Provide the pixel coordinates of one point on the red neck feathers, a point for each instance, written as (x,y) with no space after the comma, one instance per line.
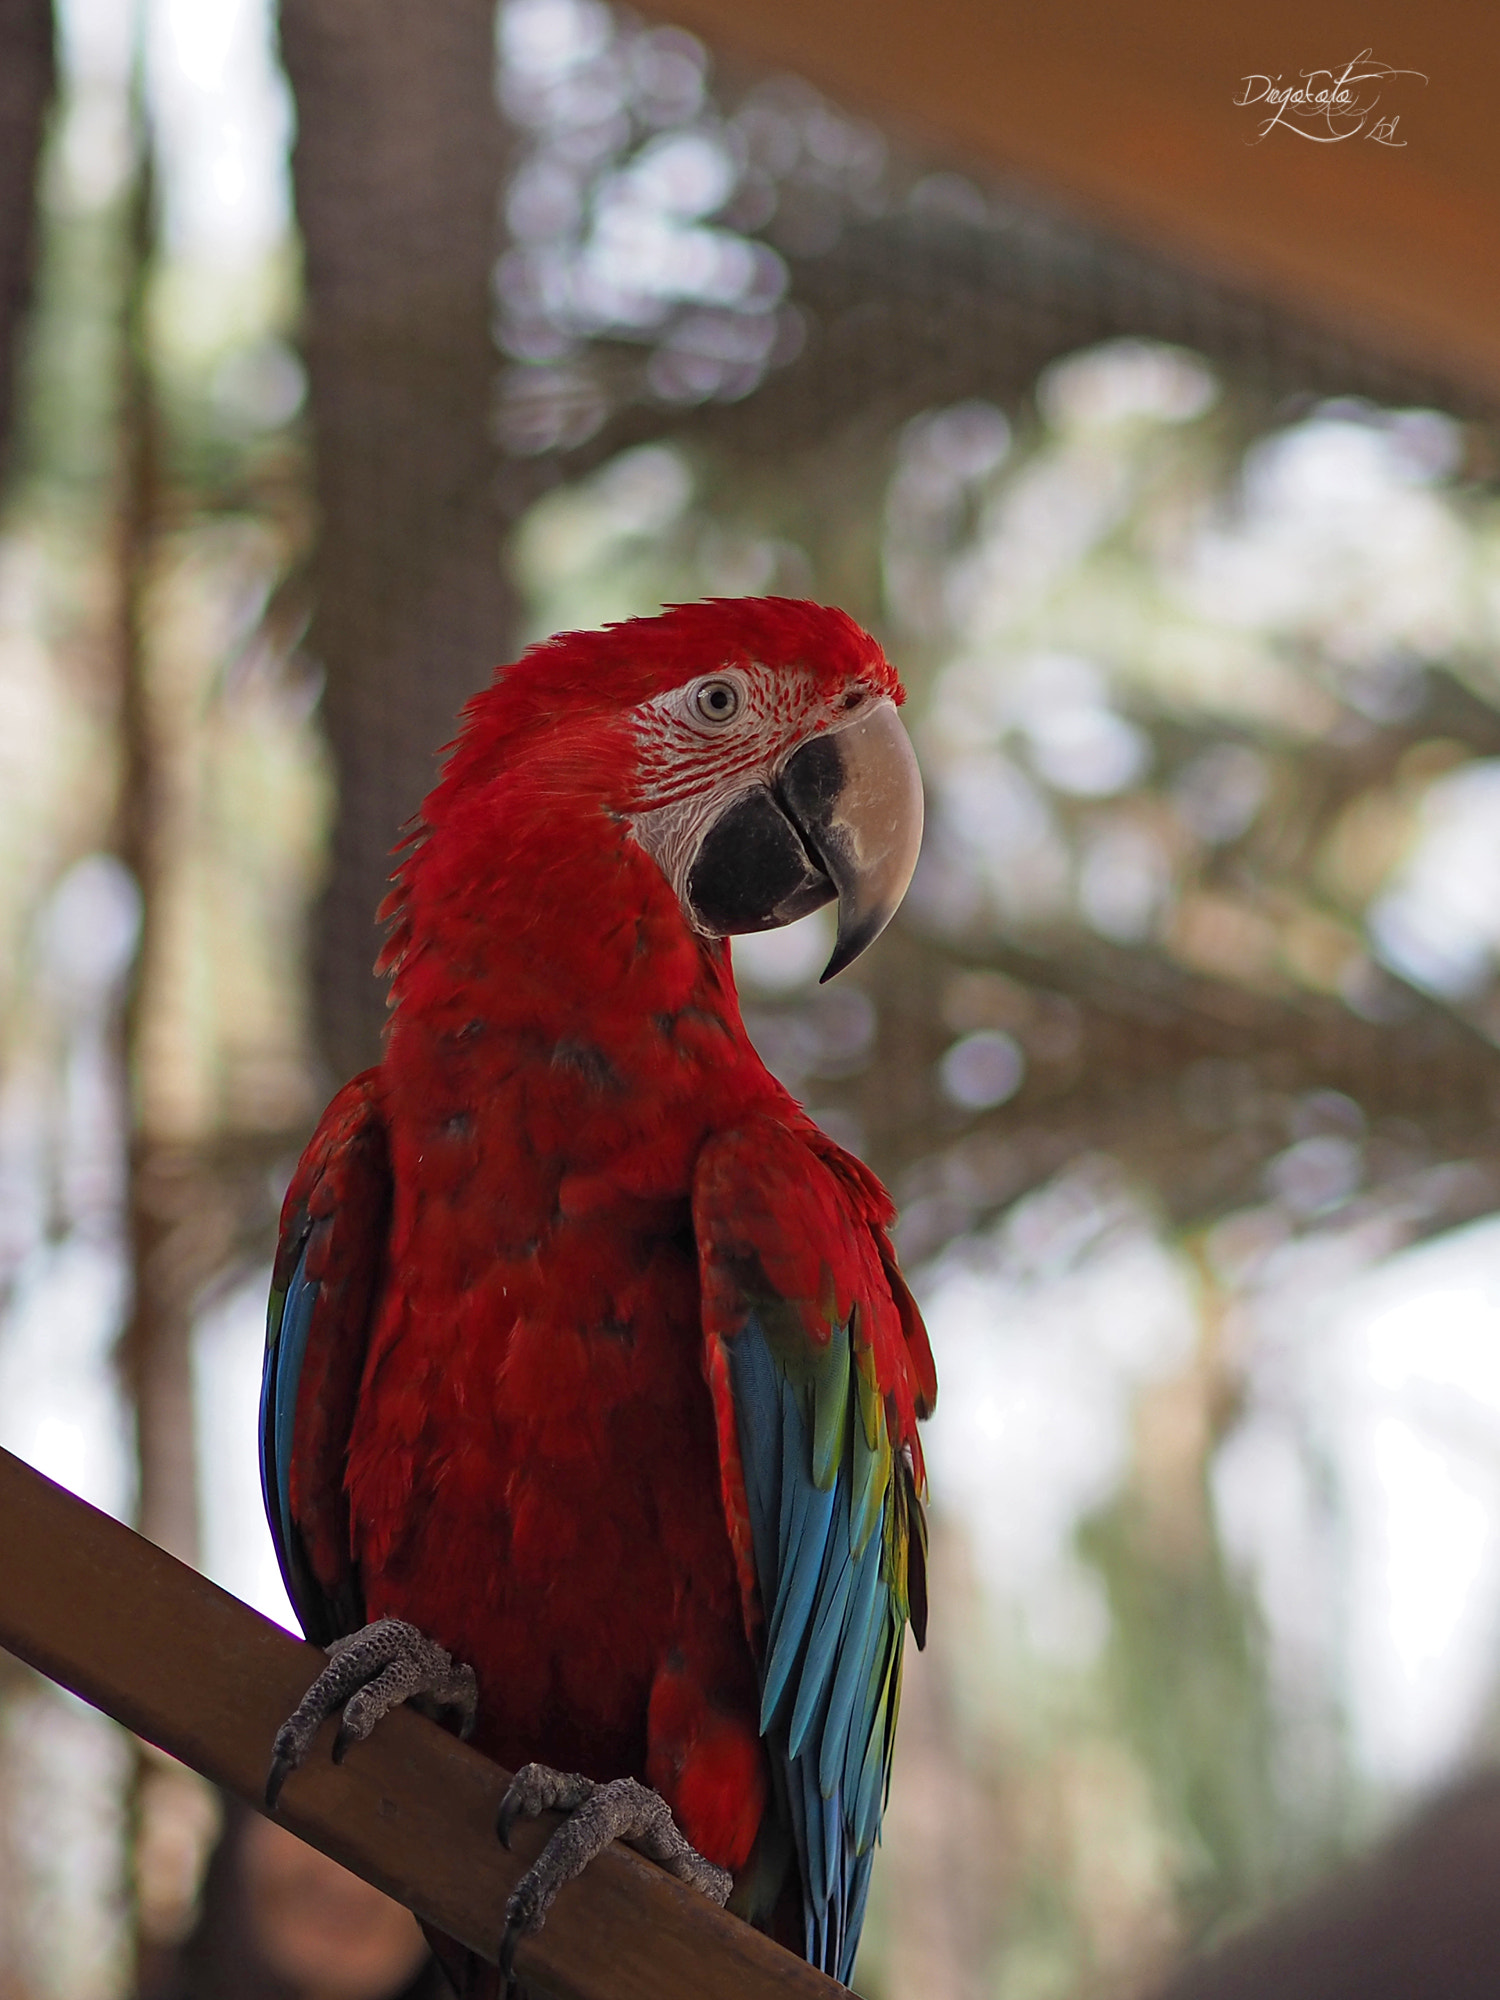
(537,950)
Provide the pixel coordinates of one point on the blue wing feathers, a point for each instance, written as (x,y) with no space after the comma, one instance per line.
(831,1671)
(289,1322)
(832,1621)
(870,1797)
(286,1350)
(805,1561)
(325,1288)
(859,1890)
(270,1485)
(851,1707)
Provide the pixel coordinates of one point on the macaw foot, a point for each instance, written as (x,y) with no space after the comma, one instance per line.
(597,1814)
(368,1674)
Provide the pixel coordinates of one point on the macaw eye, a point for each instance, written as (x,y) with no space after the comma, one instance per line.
(717,701)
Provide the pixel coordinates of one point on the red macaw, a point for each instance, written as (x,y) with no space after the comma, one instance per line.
(591,1378)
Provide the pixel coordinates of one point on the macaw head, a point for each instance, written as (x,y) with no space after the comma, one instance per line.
(750,745)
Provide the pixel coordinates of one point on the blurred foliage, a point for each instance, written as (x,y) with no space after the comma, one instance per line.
(231,706)
(651,216)
(237,820)
(1207,714)
(1186,1035)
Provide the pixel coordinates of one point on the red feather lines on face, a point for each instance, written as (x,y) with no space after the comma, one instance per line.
(676,760)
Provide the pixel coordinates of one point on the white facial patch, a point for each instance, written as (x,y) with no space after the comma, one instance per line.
(672,835)
(704,744)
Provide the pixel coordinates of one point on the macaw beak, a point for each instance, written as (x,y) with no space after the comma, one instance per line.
(843,819)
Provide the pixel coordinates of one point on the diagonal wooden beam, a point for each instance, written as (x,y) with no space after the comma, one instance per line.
(138,1634)
(1128,113)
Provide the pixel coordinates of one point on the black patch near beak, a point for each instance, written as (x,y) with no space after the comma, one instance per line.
(753,872)
(844,819)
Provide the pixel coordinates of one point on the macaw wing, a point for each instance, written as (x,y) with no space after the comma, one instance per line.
(327,1275)
(819,1368)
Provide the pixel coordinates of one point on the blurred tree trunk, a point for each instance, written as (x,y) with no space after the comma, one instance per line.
(397,171)
(165,1194)
(27,75)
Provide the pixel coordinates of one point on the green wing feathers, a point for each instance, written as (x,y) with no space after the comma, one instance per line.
(818,1370)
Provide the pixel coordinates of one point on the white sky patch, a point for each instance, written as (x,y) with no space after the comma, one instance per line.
(1417,1436)
(1042,1342)
(1361,1491)
(223,119)
(220,111)
(787,960)
(93,154)
(228,1345)
(60,1404)
(1126,381)
(1380,1389)
(1438,924)
(1341,537)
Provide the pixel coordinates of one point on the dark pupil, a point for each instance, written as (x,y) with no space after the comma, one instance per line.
(718,700)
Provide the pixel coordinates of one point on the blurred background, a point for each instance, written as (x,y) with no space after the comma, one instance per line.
(1181,1059)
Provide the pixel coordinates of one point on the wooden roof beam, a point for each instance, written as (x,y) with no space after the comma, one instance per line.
(1128,114)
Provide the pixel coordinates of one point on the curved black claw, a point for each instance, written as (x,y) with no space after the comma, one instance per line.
(369,1673)
(282,1768)
(597,1814)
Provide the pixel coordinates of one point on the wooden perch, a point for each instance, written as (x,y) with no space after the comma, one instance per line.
(141,1636)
